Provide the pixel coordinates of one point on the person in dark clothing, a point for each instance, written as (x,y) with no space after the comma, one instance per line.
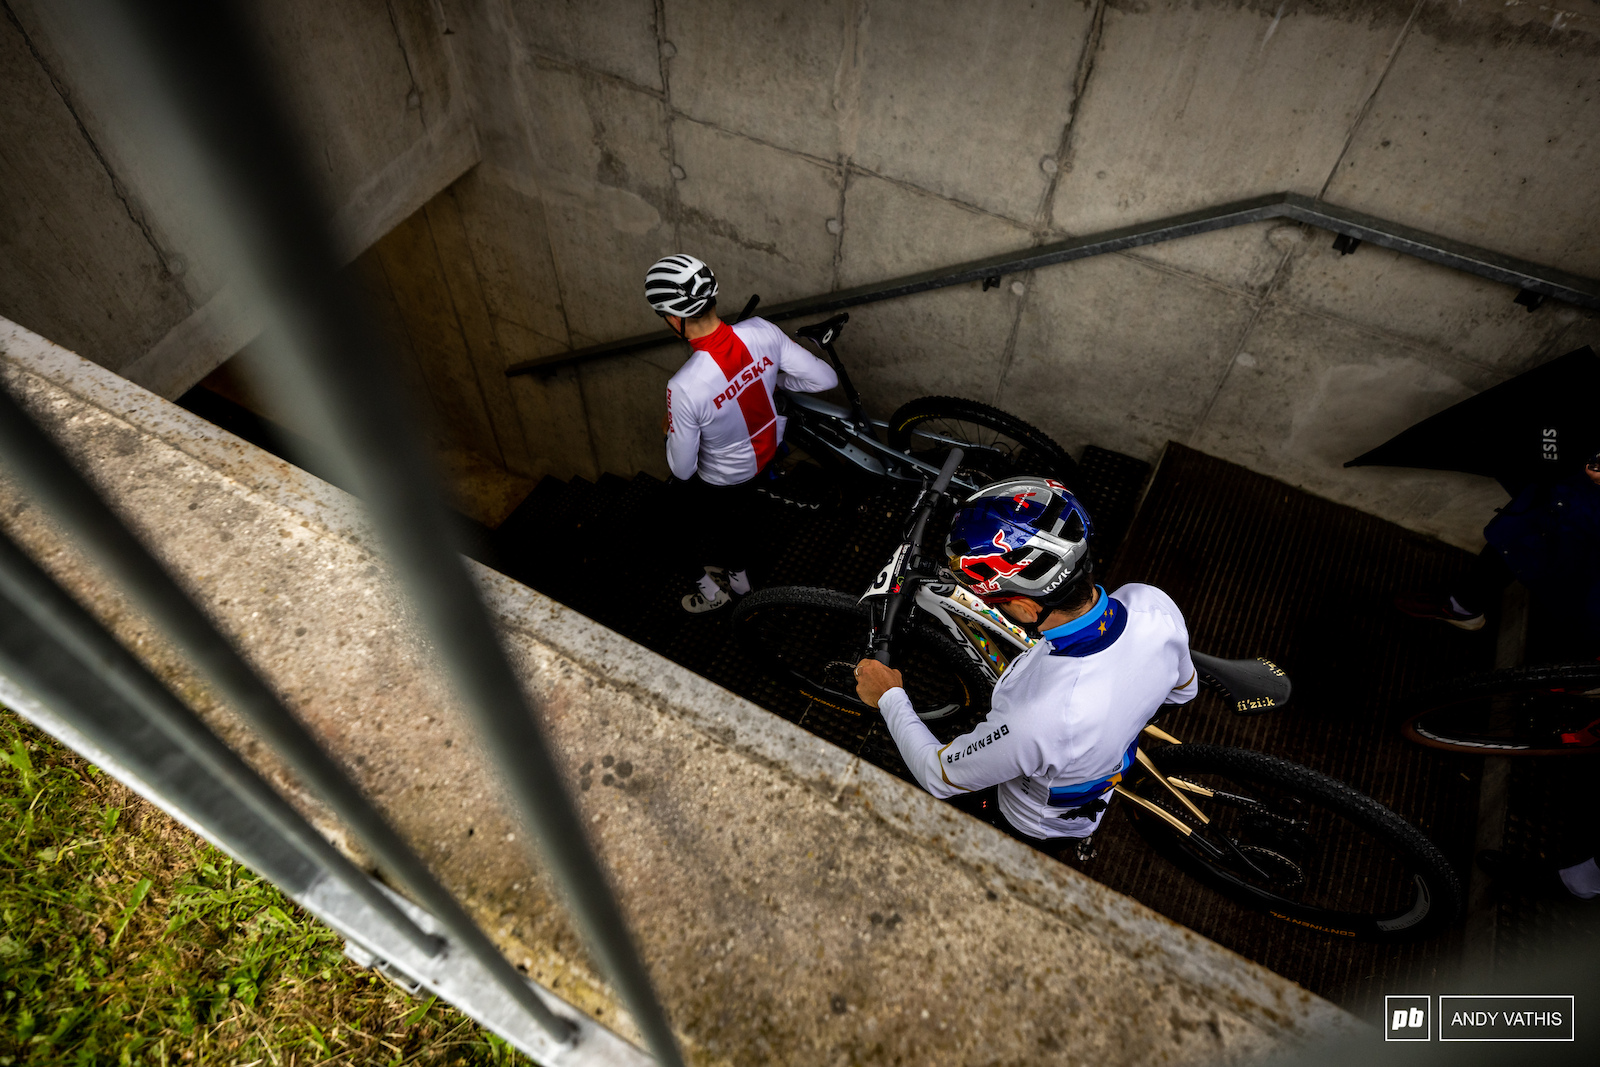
(1549,538)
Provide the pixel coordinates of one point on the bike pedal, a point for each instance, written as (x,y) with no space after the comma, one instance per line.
(1084,850)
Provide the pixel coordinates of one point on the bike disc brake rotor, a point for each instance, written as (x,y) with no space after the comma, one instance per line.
(1282,873)
(1299,856)
(989,455)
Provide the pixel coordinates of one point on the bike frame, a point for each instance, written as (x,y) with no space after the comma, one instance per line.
(848,434)
(822,428)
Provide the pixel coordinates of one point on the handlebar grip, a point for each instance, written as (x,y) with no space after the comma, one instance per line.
(946,472)
(755,298)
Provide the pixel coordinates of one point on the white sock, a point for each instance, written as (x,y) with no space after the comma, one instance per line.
(1455,606)
(740,581)
(709,587)
(1582,880)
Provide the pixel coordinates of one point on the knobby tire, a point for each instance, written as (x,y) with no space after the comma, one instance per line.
(1041,455)
(781,627)
(1546,710)
(1423,892)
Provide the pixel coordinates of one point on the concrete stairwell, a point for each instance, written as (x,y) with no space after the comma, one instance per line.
(795,903)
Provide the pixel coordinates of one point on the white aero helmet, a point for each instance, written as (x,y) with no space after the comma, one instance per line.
(680,285)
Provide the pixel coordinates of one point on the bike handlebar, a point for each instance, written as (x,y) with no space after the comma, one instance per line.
(948,471)
(919,525)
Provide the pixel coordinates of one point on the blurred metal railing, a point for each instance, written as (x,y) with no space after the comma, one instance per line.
(202,104)
(1353,228)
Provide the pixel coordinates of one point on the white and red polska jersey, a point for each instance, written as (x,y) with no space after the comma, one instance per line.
(721,420)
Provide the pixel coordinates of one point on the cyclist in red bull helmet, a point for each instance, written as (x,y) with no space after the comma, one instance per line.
(1066,715)
(722,427)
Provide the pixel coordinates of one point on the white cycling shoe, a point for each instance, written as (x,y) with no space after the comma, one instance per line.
(697,604)
(713,592)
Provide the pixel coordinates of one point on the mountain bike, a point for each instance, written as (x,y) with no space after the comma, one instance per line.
(1267,832)
(1550,710)
(915,440)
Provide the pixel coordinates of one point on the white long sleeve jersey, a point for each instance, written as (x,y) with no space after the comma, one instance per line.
(721,420)
(1058,721)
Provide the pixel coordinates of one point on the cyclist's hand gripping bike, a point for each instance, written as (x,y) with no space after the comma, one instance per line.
(1270,833)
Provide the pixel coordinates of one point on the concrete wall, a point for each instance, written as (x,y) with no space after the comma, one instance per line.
(793,904)
(930,133)
(803,146)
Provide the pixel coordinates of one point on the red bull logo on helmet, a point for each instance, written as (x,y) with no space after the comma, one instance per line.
(996,563)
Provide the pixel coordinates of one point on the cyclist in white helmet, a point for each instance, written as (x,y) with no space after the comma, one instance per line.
(722,424)
(1066,715)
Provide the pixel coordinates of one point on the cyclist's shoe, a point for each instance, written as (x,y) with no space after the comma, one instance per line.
(737,582)
(1078,849)
(697,604)
(1582,880)
(711,592)
(1442,608)
(1541,879)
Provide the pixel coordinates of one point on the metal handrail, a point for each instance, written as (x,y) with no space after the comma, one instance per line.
(1509,270)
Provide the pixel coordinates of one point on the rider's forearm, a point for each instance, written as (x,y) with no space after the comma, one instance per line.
(917,745)
(683,453)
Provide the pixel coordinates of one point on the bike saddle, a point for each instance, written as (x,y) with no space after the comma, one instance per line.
(1254,685)
(824,332)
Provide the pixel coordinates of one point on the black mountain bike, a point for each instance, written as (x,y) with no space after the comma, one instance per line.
(1269,833)
(1550,710)
(911,445)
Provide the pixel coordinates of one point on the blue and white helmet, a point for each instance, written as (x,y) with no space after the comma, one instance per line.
(680,285)
(1023,537)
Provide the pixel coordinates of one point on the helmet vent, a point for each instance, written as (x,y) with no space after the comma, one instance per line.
(1039,567)
(1052,511)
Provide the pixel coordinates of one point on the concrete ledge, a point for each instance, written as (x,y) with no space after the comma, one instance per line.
(793,903)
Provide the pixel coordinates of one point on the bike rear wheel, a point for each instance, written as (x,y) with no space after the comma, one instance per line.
(815,638)
(998,445)
(1525,711)
(1301,846)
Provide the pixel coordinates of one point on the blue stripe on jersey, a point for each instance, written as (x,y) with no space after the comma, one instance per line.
(1091,631)
(1071,796)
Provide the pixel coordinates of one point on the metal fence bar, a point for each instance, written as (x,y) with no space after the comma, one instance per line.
(53,645)
(1584,292)
(62,670)
(208,81)
(52,480)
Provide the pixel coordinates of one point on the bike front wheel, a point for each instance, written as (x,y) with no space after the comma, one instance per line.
(1301,846)
(1524,711)
(997,445)
(815,637)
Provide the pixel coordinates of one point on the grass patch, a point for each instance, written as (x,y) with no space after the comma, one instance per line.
(126,939)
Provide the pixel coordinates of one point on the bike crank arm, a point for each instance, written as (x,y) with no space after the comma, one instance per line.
(1199,841)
